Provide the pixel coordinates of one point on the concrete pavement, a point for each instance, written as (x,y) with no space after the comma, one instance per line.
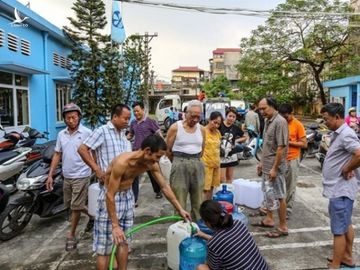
(41,245)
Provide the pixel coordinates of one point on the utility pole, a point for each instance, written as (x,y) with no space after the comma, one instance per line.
(146,38)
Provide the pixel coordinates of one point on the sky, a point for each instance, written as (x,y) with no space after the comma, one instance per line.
(184,38)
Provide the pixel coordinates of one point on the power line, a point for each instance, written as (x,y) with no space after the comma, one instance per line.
(239,11)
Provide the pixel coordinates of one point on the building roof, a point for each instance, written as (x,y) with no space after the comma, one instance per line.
(35,20)
(224,50)
(193,69)
(353,80)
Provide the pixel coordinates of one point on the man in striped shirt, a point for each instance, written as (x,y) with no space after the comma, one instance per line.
(105,143)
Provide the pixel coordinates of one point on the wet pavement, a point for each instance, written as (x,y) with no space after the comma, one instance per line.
(42,243)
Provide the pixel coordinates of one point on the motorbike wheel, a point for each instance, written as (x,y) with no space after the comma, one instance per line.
(14,219)
(303,154)
(167,123)
(258,154)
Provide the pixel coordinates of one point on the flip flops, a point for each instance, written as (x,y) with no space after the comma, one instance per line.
(342,263)
(71,244)
(262,224)
(276,234)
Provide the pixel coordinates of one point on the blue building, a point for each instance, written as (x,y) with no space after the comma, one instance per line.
(34,70)
(345,91)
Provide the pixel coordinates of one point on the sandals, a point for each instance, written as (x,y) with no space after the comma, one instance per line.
(342,263)
(71,244)
(262,224)
(276,234)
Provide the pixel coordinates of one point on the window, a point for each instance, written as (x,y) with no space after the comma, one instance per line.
(25,47)
(12,42)
(63,96)
(165,103)
(1,37)
(56,59)
(5,78)
(23,107)
(14,100)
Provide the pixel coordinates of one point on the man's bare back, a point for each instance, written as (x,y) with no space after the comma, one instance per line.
(125,168)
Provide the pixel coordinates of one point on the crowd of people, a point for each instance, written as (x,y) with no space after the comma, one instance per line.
(198,166)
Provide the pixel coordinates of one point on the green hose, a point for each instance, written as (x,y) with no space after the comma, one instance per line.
(138,228)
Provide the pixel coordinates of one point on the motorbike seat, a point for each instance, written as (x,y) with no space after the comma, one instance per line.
(5,156)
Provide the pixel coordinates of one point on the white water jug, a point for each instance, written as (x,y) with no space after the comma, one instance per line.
(93,194)
(248,193)
(165,166)
(175,234)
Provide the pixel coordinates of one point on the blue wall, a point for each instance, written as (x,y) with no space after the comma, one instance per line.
(45,39)
(347,88)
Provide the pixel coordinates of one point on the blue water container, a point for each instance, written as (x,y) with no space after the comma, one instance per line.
(192,253)
(224,195)
(204,228)
(239,215)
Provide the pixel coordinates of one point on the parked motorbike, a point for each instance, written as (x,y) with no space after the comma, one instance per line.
(324,147)
(253,148)
(246,151)
(34,199)
(18,151)
(313,138)
(4,197)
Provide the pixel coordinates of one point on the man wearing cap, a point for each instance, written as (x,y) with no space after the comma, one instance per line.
(76,173)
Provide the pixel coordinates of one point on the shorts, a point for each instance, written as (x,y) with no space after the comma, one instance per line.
(273,191)
(76,192)
(124,204)
(212,177)
(340,211)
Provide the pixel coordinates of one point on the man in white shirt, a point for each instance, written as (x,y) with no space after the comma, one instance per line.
(76,173)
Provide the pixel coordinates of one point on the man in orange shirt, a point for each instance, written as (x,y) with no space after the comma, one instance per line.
(297,140)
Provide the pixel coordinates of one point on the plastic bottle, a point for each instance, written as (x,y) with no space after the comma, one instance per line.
(239,215)
(270,201)
(224,195)
(204,228)
(192,253)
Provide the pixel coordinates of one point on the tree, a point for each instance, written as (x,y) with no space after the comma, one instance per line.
(261,75)
(113,69)
(86,57)
(216,86)
(134,63)
(312,41)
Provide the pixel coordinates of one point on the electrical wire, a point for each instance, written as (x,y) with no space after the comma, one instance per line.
(241,11)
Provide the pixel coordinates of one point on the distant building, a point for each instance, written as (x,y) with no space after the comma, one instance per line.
(34,70)
(345,91)
(223,63)
(187,80)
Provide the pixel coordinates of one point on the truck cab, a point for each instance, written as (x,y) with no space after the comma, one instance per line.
(163,108)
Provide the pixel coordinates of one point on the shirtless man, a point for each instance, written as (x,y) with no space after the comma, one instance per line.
(116,203)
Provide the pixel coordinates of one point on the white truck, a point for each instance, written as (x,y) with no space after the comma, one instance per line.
(163,108)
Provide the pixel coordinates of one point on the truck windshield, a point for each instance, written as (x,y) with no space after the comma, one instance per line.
(165,103)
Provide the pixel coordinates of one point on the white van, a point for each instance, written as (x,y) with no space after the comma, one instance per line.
(163,107)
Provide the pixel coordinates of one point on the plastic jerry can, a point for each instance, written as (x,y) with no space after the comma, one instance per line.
(192,253)
(93,194)
(224,195)
(165,167)
(248,193)
(175,234)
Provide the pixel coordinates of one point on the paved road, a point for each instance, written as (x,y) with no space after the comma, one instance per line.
(41,245)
